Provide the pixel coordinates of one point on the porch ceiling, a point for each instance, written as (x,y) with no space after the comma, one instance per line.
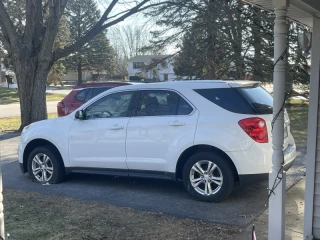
(300,10)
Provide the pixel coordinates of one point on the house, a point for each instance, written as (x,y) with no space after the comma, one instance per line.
(71,77)
(306,12)
(162,71)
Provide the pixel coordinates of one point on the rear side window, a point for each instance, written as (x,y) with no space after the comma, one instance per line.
(162,103)
(227,98)
(81,96)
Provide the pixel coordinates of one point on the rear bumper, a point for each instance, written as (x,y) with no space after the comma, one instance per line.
(289,156)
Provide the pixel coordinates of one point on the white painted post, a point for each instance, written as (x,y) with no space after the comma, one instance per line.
(2,234)
(277,198)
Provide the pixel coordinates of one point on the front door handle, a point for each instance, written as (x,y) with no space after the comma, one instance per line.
(177,123)
(117,127)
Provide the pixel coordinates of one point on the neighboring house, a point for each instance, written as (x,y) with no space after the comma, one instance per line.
(73,76)
(163,73)
(86,76)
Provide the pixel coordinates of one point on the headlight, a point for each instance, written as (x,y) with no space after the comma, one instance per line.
(25,129)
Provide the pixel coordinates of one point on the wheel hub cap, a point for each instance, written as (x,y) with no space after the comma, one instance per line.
(206,177)
(42,167)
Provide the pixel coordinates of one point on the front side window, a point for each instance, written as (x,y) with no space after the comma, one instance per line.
(111,106)
(162,103)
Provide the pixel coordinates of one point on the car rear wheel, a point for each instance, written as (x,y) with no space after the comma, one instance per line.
(45,165)
(208,177)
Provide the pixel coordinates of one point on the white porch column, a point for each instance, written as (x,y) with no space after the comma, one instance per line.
(277,176)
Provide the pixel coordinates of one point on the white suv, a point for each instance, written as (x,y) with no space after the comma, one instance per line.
(210,134)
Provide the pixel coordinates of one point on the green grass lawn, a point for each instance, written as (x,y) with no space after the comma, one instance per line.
(13,123)
(8,96)
(299,122)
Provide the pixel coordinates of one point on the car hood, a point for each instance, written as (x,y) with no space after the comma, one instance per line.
(47,129)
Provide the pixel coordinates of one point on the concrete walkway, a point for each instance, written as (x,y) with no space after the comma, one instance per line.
(294,217)
(13,110)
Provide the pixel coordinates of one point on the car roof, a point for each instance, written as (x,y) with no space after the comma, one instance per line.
(102,84)
(194,84)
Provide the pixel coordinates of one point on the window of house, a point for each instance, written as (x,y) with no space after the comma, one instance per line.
(165,77)
(138,65)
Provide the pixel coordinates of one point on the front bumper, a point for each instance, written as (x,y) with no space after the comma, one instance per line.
(22,167)
(21,148)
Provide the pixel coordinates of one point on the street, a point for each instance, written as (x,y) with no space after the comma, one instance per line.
(244,205)
(12,110)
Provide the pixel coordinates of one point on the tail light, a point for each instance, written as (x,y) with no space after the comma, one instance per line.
(60,105)
(256,128)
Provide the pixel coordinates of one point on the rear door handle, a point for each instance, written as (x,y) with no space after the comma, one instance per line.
(177,123)
(117,127)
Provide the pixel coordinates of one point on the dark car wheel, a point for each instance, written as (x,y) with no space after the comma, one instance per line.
(45,165)
(208,177)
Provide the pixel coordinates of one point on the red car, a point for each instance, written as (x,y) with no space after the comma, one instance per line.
(83,93)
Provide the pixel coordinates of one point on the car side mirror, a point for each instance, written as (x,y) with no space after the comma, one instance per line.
(79,115)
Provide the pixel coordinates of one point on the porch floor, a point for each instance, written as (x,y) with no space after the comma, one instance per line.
(294,217)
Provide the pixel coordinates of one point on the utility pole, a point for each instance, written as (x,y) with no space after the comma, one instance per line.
(277,177)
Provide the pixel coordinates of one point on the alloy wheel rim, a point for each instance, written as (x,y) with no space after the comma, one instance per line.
(206,177)
(42,167)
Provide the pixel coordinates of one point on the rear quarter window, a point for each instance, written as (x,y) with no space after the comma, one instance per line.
(259,98)
(227,98)
(81,96)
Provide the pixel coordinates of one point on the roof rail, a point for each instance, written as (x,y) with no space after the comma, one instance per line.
(104,82)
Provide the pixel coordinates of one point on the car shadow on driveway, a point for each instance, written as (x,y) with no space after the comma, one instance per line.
(153,195)
(244,204)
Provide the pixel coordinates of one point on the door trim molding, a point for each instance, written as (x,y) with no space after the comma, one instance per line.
(123,172)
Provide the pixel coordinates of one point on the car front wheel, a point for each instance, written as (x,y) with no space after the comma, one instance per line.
(45,165)
(208,177)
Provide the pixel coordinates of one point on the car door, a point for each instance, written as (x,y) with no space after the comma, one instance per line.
(98,141)
(164,123)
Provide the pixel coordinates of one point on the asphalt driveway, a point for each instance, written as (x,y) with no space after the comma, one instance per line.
(245,203)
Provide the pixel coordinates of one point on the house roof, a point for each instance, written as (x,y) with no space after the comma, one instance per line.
(146,58)
(301,11)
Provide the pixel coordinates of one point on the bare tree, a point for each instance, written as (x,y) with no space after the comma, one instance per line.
(128,41)
(29,34)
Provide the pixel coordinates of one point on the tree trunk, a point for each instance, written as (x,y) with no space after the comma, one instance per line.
(79,73)
(257,44)
(31,78)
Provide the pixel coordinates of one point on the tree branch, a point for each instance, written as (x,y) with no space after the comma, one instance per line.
(107,12)
(56,10)
(60,53)
(7,25)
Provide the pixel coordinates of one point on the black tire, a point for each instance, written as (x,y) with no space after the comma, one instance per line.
(59,172)
(225,168)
